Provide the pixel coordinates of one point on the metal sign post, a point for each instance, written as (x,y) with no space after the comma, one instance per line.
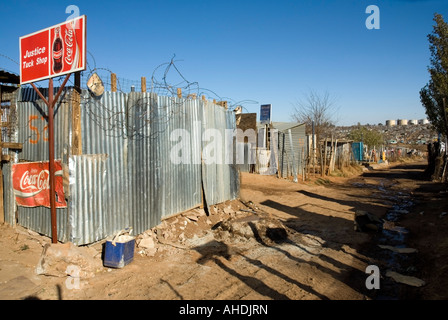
(45,54)
(50,104)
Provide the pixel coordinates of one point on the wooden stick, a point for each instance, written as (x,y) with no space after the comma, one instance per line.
(143,84)
(113,82)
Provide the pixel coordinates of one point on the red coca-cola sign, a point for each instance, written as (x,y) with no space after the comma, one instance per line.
(54,51)
(31,184)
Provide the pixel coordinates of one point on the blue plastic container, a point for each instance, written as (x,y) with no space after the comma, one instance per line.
(119,255)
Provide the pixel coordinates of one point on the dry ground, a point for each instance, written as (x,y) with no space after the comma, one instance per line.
(281,240)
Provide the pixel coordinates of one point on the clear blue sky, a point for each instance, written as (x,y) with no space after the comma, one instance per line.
(266,51)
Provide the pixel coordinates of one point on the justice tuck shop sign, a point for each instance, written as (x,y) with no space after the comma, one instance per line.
(54,51)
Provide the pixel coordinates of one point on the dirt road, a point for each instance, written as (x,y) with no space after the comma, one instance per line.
(283,240)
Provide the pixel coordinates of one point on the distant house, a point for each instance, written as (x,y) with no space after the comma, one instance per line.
(286,142)
(281,149)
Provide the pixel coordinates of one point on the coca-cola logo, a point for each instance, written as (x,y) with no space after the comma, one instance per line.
(33,183)
(68,39)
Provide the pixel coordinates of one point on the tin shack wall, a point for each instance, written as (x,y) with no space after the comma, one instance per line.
(292,158)
(143,182)
(126,176)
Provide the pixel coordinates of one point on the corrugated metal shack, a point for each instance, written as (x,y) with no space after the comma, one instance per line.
(292,148)
(281,150)
(123,174)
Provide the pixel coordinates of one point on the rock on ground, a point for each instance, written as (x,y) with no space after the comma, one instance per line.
(66,259)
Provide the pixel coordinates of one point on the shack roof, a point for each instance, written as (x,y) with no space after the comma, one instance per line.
(8,77)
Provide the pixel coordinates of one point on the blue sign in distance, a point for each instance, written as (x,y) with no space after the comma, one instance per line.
(265,113)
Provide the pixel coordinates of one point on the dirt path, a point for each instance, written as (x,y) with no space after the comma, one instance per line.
(283,240)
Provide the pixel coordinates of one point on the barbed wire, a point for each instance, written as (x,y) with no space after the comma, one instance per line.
(139,115)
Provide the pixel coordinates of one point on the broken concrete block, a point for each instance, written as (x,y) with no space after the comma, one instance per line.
(166,234)
(148,233)
(150,252)
(163,225)
(146,243)
(61,260)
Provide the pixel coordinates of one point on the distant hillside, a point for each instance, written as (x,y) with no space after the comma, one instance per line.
(416,136)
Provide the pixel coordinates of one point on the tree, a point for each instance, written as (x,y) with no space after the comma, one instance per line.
(321,109)
(434,96)
(371,138)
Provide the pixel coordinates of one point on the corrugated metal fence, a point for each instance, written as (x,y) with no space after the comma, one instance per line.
(292,151)
(126,175)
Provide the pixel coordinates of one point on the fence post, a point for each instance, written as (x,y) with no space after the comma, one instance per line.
(76,116)
(143,84)
(322,173)
(325,156)
(330,168)
(113,82)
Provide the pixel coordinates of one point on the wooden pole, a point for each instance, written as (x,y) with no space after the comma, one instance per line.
(321,162)
(303,166)
(325,156)
(76,117)
(113,82)
(331,156)
(143,84)
(179,93)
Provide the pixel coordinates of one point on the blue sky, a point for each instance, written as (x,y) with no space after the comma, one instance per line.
(263,51)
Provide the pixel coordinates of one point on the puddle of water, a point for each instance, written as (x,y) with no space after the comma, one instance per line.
(402,203)
(397,238)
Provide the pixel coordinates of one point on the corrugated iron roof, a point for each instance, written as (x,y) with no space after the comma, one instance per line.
(8,77)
